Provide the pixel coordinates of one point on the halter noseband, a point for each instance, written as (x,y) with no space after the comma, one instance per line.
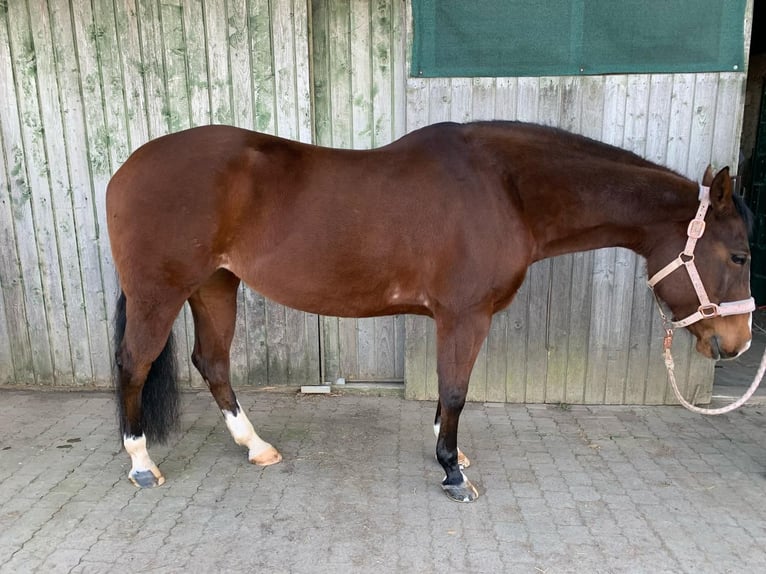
(706,310)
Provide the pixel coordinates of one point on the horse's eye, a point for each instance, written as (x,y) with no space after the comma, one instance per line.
(739,258)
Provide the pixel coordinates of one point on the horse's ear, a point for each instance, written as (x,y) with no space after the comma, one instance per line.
(707,178)
(720,191)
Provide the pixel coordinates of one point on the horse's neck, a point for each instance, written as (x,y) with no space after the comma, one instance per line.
(628,208)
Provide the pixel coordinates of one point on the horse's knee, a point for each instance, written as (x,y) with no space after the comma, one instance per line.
(452,399)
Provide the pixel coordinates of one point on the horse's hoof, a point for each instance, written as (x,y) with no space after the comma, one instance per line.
(146,478)
(267,457)
(462,460)
(464,492)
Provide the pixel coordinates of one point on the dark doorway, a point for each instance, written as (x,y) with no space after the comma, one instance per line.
(752,170)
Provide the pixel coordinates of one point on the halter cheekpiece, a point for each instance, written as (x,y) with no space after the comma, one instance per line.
(706,309)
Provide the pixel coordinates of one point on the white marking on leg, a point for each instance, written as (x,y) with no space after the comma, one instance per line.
(243,433)
(139,457)
(437,426)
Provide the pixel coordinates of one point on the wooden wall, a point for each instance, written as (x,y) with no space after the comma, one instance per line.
(84,83)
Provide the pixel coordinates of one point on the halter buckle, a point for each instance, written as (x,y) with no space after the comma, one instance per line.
(696,228)
(708,311)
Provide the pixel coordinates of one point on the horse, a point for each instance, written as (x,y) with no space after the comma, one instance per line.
(443,222)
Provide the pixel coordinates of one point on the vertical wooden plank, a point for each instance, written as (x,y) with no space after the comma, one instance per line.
(602,280)
(505,98)
(33,359)
(284,68)
(592,114)
(320,60)
(385,352)
(348,342)
(330,348)
(361,76)
(198,82)
(558,327)
(255,336)
(23,50)
(516,353)
(579,328)
(86,200)
(702,125)
(432,378)
(415,361)
(153,68)
(219,75)
(460,103)
(682,99)
(7,374)
(365,347)
(496,362)
(174,50)
(728,119)
(440,100)
(658,120)
(400,338)
(239,62)
(528,99)
(549,108)
(15,353)
(64,229)
(538,341)
(399,70)
(381,54)
(483,99)
(339,24)
(301,46)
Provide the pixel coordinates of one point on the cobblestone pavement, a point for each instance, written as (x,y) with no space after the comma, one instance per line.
(578,489)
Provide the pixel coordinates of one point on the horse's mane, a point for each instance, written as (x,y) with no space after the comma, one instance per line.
(592,146)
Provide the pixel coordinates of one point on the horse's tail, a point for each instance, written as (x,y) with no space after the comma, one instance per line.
(159,396)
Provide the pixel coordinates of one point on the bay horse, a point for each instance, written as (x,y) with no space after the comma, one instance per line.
(443,222)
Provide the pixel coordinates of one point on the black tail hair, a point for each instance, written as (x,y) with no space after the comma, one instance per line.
(160,396)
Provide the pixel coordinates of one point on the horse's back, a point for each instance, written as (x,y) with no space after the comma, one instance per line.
(332,231)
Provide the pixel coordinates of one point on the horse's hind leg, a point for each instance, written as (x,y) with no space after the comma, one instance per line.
(146,382)
(214,308)
(458,340)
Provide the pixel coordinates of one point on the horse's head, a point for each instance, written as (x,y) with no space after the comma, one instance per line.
(707,286)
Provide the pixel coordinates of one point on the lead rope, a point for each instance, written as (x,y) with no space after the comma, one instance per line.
(669,364)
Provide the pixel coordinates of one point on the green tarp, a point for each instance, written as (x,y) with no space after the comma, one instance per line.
(556,37)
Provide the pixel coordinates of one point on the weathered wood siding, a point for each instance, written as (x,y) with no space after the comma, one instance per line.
(82,84)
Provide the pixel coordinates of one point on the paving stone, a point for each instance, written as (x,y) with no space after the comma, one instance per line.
(588,489)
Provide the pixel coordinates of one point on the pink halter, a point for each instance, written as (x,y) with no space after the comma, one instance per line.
(706,310)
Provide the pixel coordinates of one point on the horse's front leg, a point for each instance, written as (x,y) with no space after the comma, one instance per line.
(459,339)
(462,459)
